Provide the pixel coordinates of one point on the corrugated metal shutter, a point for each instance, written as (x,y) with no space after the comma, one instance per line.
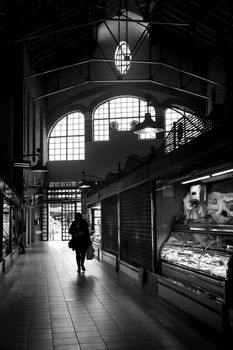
(135,216)
(109,225)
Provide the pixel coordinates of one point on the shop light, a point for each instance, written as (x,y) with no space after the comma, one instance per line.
(39,168)
(148,126)
(197,228)
(88,183)
(22,164)
(222,172)
(196,179)
(84,185)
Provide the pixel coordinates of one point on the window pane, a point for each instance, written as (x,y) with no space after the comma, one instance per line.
(68,135)
(123,110)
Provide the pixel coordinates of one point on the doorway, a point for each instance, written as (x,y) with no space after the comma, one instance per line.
(55,221)
(60,217)
(63,201)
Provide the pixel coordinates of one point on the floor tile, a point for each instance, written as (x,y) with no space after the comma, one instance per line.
(46,305)
(65,341)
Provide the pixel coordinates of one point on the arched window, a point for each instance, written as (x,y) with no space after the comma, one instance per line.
(173,114)
(122,57)
(67,138)
(121,114)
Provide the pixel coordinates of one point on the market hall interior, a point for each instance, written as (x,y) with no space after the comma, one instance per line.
(122,111)
(46,305)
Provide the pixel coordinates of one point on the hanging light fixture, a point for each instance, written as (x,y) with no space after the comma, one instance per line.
(87,184)
(148,126)
(123,54)
(39,168)
(25,164)
(83,184)
(40,192)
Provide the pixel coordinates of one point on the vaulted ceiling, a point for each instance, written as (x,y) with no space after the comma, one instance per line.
(60,32)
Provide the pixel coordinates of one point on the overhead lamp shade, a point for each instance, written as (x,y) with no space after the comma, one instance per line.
(84,185)
(39,194)
(148,126)
(39,168)
(22,164)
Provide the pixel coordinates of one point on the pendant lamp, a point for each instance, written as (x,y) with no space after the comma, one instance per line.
(39,168)
(148,126)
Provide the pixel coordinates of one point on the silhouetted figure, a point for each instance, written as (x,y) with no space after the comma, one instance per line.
(152,154)
(81,239)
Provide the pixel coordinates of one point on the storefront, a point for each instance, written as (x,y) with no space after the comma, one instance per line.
(169,226)
(10,228)
(94,218)
(196,259)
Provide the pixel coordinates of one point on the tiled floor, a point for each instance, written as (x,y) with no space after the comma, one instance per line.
(45,305)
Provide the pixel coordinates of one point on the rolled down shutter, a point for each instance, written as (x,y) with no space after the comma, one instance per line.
(109,224)
(135,218)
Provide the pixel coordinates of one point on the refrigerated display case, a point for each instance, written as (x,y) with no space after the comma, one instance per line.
(200,259)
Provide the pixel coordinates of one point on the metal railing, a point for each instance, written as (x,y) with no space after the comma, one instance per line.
(183,131)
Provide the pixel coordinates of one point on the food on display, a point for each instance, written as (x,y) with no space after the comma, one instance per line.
(202,258)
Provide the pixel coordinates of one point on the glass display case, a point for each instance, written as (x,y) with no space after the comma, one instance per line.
(206,253)
(201,260)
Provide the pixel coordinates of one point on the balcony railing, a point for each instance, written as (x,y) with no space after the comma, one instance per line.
(183,131)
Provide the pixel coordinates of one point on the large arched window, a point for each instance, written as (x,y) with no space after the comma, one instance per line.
(67,138)
(121,114)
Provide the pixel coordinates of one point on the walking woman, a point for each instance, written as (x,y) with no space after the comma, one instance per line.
(81,239)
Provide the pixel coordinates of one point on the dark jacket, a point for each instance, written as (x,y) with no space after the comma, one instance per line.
(80,235)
